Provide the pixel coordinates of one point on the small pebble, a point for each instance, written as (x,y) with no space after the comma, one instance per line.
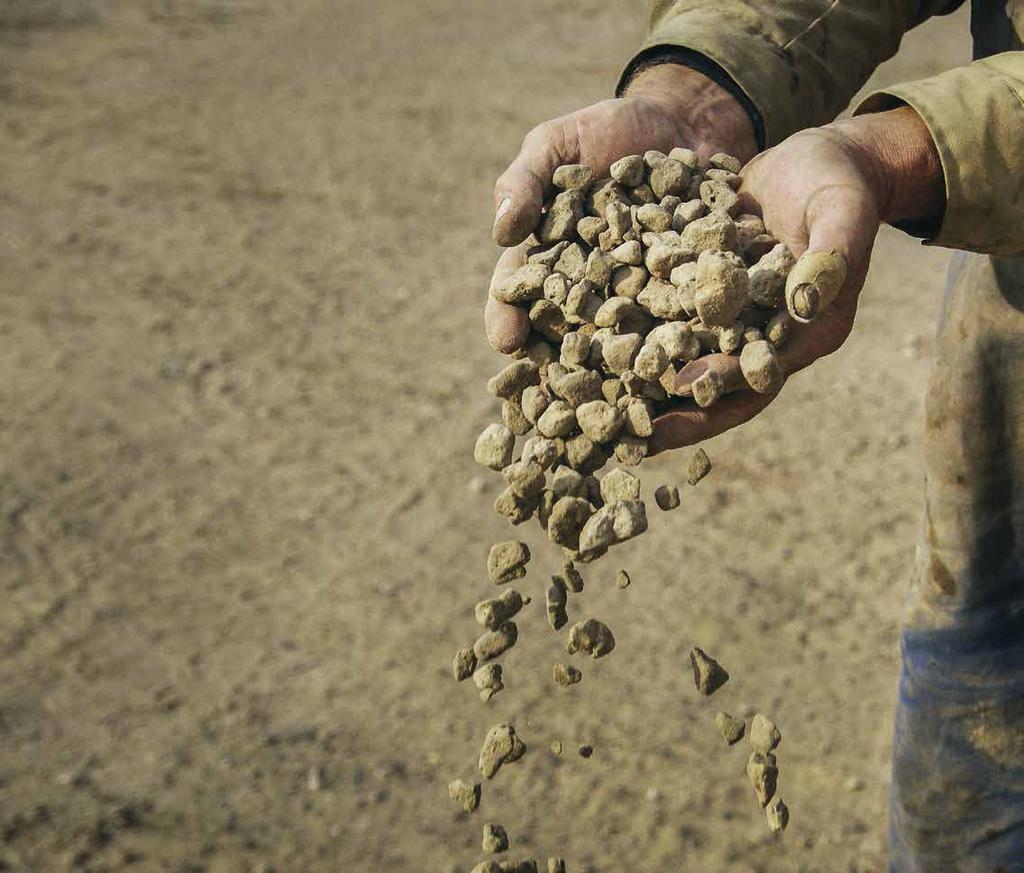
(708,674)
(622,579)
(730,727)
(464,794)
(585,750)
(565,675)
(667,497)
(764,735)
(495,838)
(778,815)
(700,466)
(556,747)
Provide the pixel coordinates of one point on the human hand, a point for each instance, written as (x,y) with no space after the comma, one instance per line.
(823,189)
(664,106)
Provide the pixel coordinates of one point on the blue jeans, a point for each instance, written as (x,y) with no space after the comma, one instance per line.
(957,801)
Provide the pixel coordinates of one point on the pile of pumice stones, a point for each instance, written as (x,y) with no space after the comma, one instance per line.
(627,279)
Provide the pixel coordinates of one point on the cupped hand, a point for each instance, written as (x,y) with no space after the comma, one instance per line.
(816,191)
(664,106)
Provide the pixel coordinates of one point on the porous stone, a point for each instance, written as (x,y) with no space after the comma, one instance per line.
(667,497)
(599,420)
(708,674)
(526,283)
(565,675)
(501,746)
(764,734)
(777,814)
(507,560)
(464,794)
(722,288)
(494,447)
(761,367)
(495,839)
(562,217)
(572,176)
(619,484)
(496,642)
(763,773)
(488,681)
(628,171)
(700,466)
(463,664)
(525,478)
(568,517)
(495,611)
(730,727)
(555,601)
(591,637)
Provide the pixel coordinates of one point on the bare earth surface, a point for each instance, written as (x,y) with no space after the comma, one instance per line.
(245,246)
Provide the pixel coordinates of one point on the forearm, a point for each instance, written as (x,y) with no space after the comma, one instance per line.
(900,161)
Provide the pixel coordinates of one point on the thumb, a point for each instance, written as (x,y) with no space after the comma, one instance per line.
(520,191)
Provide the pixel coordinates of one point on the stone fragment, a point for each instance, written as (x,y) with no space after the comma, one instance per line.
(619,484)
(546,254)
(572,263)
(722,288)
(628,281)
(670,177)
(543,450)
(464,794)
(572,176)
(642,194)
(599,421)
(653,157)
(719,197)
(556,865)
(767,278)
(585,750)
(599,268)
(777,814)
(764,734)
(568,517)
(763,773)
(535,399)
(628,253)
(558,420)
(622,579)
(560,221)
(577,387)
(620,351)
(613,310)
(548,320)
(513,418)
(515,508)
(730,338)
(708,674)
(667,497)
(525,478)
(650,362)
(591,637)
(662,257)
(700,466)
(556,747)
(494,447)
(495,611)
(640,415)
(565,675)
(725,162)
(761,367)
(654,217)
(590,227)
(715,233)
(493,643)
(510,381)
(628,171)
(730,727)
(567,482)
(501,746)
(584,455)
(526,283)
(495,838)
(778,328)
(463,664)
(572,578)
(687,157)
(488,681)
(555,600)
(686,212)
(676,339)
(707,388)
(630,450)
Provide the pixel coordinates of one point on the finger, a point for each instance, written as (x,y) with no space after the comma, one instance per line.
(728,367)
(506,326)
(520,191)
(693,425)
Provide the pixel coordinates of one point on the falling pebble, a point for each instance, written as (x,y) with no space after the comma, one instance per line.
(586,750)
(556,747)
(622,579)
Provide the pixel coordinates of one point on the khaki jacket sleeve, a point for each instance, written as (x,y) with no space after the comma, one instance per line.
(798,61)
(976,116)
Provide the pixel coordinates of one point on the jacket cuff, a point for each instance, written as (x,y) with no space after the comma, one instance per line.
(767,77)
(975,115)
(671,54)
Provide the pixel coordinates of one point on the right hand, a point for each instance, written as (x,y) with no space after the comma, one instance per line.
(664,106)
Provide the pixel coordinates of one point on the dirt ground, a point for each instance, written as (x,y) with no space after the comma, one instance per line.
(245,246)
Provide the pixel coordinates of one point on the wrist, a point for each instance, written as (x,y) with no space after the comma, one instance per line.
(900,162)
(708,117)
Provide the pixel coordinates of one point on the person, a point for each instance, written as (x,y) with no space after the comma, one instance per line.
(943,159)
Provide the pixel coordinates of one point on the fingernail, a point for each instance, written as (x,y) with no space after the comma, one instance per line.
(806,301)
(503,208)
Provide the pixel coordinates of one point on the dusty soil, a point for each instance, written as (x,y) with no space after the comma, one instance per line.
(245,247)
